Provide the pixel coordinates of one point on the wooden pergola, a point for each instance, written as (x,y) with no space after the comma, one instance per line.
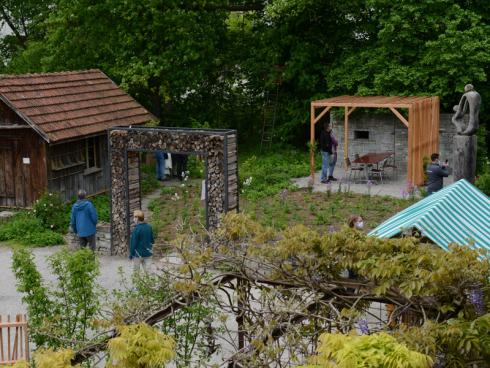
(422,124)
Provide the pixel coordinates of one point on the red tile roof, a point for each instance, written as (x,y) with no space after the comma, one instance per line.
(66,105)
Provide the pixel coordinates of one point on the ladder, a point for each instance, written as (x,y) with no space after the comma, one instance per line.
(269,114)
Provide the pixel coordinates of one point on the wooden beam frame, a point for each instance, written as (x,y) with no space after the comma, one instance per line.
(422,124)
(399,116)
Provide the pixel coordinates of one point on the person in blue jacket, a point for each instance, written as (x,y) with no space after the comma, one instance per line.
(141,243)
(84,220)
(160,157)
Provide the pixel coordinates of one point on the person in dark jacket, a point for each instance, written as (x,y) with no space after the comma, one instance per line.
(328,147)
(179,161)
(436,174)
(84,220)
(160,157)
(141,243)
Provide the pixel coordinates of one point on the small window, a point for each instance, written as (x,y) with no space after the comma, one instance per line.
(361,134)
(92,152)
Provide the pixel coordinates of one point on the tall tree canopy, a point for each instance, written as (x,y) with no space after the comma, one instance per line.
(219,61)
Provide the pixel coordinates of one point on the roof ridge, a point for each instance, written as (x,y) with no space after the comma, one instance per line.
(44,74)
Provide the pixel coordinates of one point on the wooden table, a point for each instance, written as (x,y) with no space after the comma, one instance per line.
(373,158)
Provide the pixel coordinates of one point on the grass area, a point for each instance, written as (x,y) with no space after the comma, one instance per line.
(263,197)
(179,209)
(321,211)
(263,175)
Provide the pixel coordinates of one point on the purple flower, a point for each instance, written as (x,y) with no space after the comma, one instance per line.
(476,298)
(362,324)
(331,228)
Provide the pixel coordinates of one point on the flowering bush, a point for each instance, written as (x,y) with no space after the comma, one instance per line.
(52,212)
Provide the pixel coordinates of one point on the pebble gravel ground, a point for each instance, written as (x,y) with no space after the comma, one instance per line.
(11,300)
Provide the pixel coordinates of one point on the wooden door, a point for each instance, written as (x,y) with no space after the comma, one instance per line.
(7,174)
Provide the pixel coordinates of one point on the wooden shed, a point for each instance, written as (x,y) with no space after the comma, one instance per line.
(422,124)
(53,133)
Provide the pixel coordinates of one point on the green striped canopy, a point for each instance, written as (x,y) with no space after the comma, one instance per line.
(458,214)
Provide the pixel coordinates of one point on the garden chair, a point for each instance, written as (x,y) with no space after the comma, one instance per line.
(353,169)
(390,164)
(379,172)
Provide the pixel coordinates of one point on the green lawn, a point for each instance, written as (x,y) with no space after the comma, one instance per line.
(179,209)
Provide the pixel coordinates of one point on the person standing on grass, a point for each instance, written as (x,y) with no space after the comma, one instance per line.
(436,172)
(160,157)
(327,148)
(84,220)
(141,243)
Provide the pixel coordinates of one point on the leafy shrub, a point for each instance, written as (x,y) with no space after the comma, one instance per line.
(483,183)
(377,350)
(51,211)
(102,205)
(59,316)
(148,179)
(272,172)
(195,167)
(27,229)
(140,346)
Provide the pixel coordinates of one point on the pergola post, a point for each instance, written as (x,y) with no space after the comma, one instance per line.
(346,134)
(312,143)
(411,144)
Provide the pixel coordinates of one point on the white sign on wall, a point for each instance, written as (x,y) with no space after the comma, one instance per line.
(26,160)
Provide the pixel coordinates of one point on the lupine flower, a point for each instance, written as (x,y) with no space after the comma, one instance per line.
(363,326)
(476,298)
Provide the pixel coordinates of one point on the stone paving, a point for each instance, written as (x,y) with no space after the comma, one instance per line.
(391,186)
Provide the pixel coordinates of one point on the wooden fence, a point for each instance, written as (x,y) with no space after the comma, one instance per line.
(14,340)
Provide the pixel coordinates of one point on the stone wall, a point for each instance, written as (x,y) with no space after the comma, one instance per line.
(103,239)
(387,133)
(212,146)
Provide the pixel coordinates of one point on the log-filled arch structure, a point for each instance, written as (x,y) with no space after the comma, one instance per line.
(218,148)
(422,124)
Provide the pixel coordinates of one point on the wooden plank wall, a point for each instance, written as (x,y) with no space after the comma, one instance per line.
(134,182)
(28,180)
(68,181)
(232,172)
(9,117)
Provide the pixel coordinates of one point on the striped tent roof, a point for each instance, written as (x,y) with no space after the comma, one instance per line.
(459,213)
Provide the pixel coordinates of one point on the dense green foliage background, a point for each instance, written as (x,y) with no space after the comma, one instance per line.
(216,63)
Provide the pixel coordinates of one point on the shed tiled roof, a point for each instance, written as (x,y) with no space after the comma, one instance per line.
(67,105)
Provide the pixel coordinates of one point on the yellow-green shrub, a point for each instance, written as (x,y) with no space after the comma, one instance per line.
(140,346)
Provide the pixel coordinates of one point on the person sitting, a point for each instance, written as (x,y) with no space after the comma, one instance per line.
(436,174)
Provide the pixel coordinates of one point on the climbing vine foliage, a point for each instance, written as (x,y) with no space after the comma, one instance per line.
(140,346)
(367,351)
(272,297)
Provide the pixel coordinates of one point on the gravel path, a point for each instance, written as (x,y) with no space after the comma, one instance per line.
(11,300)
(109,279)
